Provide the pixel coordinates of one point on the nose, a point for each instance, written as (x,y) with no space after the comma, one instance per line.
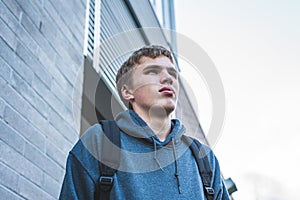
(166,78)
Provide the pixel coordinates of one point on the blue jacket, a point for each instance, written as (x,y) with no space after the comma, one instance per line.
(147,167)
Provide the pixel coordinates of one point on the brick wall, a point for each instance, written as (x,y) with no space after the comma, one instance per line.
(41,45)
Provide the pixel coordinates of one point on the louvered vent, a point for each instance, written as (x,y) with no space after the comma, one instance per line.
(90,29)
(113,19)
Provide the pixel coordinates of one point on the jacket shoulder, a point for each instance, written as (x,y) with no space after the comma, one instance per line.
(88,147)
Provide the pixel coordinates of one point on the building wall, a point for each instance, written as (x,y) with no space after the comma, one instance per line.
(41,83)
(40,60)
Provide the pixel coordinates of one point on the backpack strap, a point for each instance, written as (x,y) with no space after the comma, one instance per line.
(203,165)
(110,154)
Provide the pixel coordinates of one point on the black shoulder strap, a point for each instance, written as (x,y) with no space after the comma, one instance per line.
(110,157)
(203,165)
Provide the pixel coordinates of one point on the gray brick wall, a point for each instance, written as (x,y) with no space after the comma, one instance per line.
(40,63)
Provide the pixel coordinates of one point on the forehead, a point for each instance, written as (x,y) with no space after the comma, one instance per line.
(161,61)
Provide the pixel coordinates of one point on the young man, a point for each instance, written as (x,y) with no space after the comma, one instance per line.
(155,162)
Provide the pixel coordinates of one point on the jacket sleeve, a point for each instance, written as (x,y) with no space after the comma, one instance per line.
(77,184)
(82,169)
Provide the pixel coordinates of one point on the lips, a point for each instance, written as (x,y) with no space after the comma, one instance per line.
(166,90)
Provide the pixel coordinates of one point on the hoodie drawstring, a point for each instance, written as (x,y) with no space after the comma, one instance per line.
(175,161)
(176,166)
(154,146)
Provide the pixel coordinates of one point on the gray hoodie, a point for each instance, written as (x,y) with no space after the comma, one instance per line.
(147,167)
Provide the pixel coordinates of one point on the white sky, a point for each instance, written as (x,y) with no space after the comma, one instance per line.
(255,46)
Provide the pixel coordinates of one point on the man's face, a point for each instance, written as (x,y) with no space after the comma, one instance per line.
(154,85)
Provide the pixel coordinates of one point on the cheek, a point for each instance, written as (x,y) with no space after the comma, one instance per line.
(176,85)
(145,84)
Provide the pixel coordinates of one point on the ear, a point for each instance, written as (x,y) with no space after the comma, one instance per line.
(127,93)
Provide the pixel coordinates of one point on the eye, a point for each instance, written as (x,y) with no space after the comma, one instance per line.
(174,74)
(151,71)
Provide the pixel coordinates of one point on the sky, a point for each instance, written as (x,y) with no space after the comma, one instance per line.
(255,46)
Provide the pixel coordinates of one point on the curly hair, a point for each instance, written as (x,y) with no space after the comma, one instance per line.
(124,74)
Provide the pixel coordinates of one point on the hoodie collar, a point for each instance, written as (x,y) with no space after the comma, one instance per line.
(132,124)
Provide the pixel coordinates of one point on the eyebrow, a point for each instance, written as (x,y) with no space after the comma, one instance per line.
(172,69)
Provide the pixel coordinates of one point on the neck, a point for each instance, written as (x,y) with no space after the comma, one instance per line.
(159,123)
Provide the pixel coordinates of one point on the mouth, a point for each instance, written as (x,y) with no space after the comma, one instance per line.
(167,90)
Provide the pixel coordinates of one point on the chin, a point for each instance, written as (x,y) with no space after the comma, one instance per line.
(163,110)
(169,108)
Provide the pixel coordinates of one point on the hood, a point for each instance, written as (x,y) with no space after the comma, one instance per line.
(132,124)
